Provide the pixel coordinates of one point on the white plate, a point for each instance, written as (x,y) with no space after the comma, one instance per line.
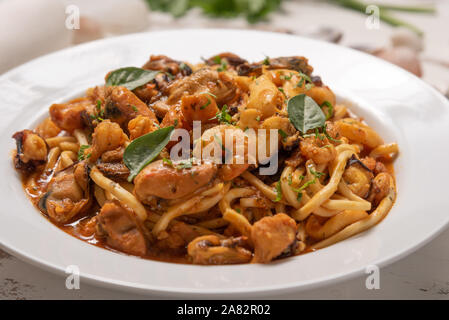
(398,105)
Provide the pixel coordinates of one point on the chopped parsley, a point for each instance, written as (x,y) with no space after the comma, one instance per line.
(278,192)
(322,135)
(99,114)
(303,187)
(181,165)
(167,161)
(328,135)
(209,93)
(299,190)
(185,164)
(208,100)
(223,66)
(134,108)
(283,92)
(81,152)
(316,174)
(206,104)
(283,134)
(309,86)
(217,59)
(305,78)
(284,77)
(223,116)
(330,109)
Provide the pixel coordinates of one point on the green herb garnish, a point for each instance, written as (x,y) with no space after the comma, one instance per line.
(223,116)
(304,78)
(283,134)
(143,150)
(206,104)
(81,152)
(167,161)
(283,92)
(185,164)
(99,113)
(223,66)
(330,109)
(287,77)
(266,61)
(309,86)
(304,113)
(130,77)
(328,135)
(217,59)
(278,192)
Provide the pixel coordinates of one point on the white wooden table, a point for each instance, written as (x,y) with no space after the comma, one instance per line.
(422,275)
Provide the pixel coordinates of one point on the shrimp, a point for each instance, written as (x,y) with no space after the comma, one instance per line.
(48,129)
(265,96)
(217,136)
(201,107)
(272,236)
(319,151)
(358,132)
(107,136)
(140,125)
(321,95)
(381,187)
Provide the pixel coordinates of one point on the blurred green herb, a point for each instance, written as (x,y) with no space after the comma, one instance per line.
(257,10)
(253,10)
(384,12)
(278,192)
(223,116)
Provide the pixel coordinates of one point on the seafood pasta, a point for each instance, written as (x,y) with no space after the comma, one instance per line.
(221,162)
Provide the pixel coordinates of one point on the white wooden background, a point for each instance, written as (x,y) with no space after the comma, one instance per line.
(422,275)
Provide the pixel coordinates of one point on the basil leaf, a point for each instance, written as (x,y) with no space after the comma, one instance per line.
(304,113)
(141,151)
(130,77)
